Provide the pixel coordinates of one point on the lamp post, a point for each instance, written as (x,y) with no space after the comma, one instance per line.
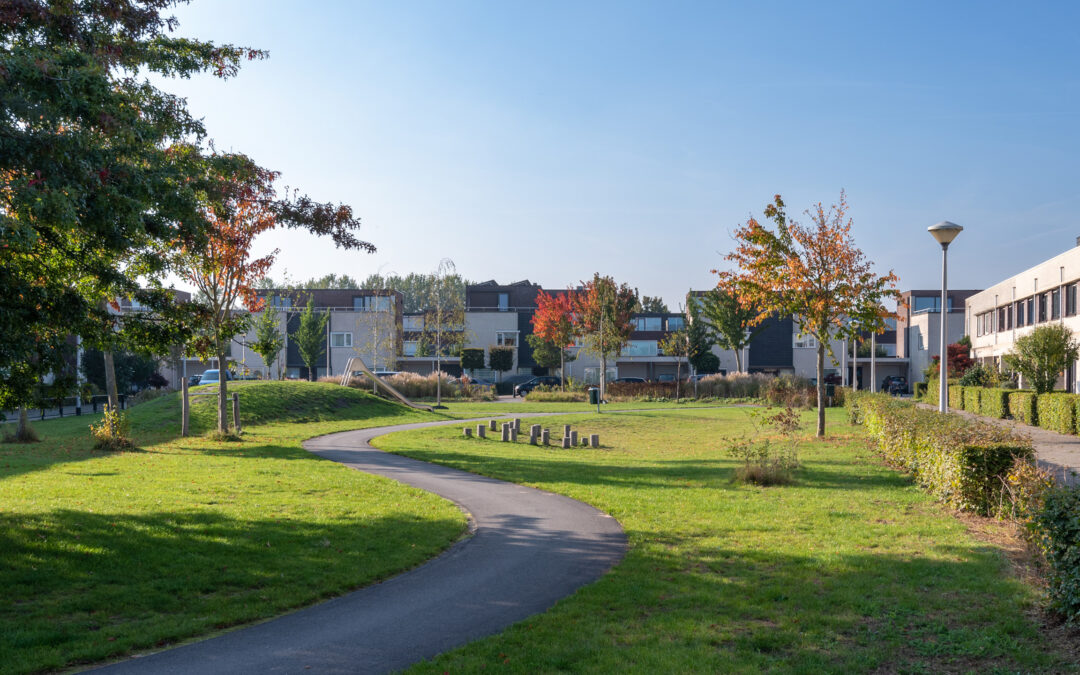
(944,232)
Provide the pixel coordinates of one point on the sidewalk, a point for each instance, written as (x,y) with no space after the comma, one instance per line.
(1057,453)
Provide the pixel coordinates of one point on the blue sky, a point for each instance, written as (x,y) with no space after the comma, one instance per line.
(551,140)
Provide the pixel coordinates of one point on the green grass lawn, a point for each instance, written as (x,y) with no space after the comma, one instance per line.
(103,554)
(474,408)
(851,569)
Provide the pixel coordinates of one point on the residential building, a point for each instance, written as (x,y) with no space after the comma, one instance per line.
(1038,296)
(918,330)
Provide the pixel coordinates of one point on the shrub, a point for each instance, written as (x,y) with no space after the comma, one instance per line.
(1057,412)
(539,396)
(994,403)
(790,391)
(956,397)
(919,391)
(976,376)
(1024,406)
(111,434)
(472,358)
(972,398)
(763,462)
(960,461)
(1056,530)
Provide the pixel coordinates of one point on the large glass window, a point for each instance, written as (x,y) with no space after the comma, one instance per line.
(1020,314)
(341,339)
(804,342)
(1042,307)
(1031,310)
(504,302)
(1001,319)
(928,304)
(506,338)
(412,323)
(641,348)
(280,302)
(371,303)
(408,347)
(1055,303)
(1070,300)
(643,323)
(675,323)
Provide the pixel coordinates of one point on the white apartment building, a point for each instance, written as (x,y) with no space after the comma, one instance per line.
(1043,294)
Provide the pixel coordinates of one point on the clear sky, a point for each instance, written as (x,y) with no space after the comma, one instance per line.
(551,140)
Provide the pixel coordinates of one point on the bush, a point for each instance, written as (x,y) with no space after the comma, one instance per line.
(1024,406)
(415,386)
(111,435)
(1056,530)
(994,403)
(539,396)
(976,376)
(956,397)
(791,391)
(763,462)
(919,391)
(1057,412)
(960,461)
(972,399)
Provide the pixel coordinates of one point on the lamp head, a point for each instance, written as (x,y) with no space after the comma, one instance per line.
(944,232)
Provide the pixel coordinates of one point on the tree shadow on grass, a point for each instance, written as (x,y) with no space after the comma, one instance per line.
(81,587)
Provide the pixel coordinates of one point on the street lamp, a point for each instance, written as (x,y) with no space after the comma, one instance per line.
(944,232)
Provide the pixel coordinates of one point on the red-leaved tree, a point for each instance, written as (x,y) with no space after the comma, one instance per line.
(553,322)
(603,313)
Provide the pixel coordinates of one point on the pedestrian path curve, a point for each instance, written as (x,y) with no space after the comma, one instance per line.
(528,550)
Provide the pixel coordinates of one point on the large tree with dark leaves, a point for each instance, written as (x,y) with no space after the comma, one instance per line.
(103,176)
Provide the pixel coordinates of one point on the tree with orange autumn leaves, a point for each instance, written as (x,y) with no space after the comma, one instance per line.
(603,314)
(224,271)
(553,323)
(814,273)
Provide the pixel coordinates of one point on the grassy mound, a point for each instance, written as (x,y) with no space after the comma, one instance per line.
(264,402)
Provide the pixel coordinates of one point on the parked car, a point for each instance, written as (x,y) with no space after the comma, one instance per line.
(477,382)
(636,380)
(895,385)
(524,388)
(666,377)
(194,380)
(213,376)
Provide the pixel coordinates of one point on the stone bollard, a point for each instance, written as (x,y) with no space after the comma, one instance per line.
(534,433)
(566,442)
(468,432)
(594,441)
(513,434)
(517,425)
(506,431)
(545,437)
(566,430)
(494,425)
(532,439)
(481,431)
(573,438)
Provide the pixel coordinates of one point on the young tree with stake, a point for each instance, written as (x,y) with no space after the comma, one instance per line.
(603,313)
(553,324)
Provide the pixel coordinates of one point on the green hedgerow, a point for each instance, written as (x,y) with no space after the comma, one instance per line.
(1057,532)
(1057,412)
(972,396)
(1024,406)
(956,397)
(994,403)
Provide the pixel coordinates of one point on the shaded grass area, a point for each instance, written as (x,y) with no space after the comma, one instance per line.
(102,554)
(850,569)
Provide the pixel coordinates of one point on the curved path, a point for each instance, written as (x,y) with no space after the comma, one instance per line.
(529,549)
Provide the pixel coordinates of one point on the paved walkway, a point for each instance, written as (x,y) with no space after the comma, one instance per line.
(1058,453)
(528,550)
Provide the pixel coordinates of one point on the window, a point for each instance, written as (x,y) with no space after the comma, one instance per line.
(1001,319)
(643,323)
(1009,317)
(341,339)
(928,304)
(1070,300)
(1020,314)
(1031,310)
(676,323)
(506,338)
(641,348)
(408,347)
(280,302)
(804,342)
(921,347)
(412,323)
(504,302)
(371,303)
(293,373)
(1055,303)
(1042,307)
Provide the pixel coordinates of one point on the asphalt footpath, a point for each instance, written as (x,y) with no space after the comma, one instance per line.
(527,550)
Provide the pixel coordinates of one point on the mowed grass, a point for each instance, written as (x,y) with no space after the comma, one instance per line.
(851,569)
(475,408)
(104,554)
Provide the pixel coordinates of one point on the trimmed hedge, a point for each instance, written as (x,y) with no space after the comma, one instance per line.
(1057,412)
(994,403)
(960,461)
(956,397)
(972,398)
(1056,530)
(919,391)
(1024,406)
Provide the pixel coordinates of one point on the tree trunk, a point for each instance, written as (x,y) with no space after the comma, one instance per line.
(820,389)
(223,393)
(110,380)
(562,370)
(603,375)
(678,377)
(22,431)
(738,360)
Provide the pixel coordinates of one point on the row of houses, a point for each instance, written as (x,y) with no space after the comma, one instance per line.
(371,324)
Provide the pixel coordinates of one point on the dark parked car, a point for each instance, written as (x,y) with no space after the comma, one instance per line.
(636,380)
(194,380)
(894,384)
(544,380)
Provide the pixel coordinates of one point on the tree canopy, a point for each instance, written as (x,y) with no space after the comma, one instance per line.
(602,316)
(1042,355)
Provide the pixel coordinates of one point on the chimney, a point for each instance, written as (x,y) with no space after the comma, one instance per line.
(1078,241)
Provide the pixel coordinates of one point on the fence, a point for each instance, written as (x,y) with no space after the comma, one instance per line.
(66,407)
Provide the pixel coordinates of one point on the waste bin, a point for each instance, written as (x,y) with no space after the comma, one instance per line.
(594,396)
(830,390)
